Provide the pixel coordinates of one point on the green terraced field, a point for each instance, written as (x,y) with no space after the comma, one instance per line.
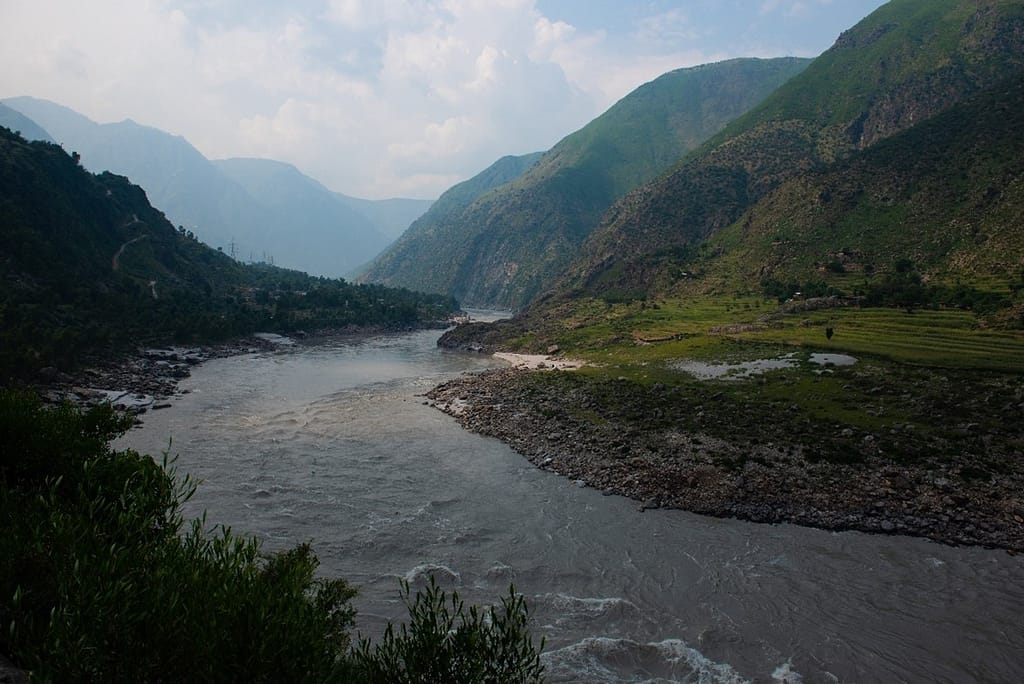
(738,328)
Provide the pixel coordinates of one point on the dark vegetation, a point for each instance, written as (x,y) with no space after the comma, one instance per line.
(101,579)
(901,289)
(448,642)
(255,208)
(88,266)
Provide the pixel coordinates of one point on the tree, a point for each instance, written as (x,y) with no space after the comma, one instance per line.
(102,580)
(446,642)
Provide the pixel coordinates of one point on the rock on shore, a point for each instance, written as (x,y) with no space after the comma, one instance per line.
(148,378)
(141,381)
(650,446)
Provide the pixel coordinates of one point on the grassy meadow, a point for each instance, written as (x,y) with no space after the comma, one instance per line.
(930,370)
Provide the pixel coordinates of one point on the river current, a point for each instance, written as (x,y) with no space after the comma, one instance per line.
(335,445)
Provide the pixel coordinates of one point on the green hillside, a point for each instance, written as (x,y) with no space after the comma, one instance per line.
(510,244)
(904,64)
(401,264)
(88,265)
(264,210)
(943,199)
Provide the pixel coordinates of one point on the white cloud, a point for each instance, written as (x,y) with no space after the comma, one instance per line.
(791,8)
(666,28)
(373,97)
(361,15)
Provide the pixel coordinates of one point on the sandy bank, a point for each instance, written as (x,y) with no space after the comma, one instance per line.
(538,361)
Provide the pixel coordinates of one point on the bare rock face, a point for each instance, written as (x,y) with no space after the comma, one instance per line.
(915,102)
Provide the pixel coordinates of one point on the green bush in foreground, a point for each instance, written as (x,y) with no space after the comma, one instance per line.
(101,579)
(445,642)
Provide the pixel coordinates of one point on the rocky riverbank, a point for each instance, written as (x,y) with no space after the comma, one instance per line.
(695,447)
(147,379)
(141,381)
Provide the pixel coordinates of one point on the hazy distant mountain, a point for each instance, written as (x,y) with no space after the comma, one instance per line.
(413,260)
(304,222)
(391,217)
(19,123)
(177,178)
(50,115)
(242,206)
(508,245)
(900,143)
(89,265)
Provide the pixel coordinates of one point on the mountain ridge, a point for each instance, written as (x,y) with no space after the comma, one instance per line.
(89,266)
(18,122)
(713,187)
(509,244)
(393,265)
(198,195)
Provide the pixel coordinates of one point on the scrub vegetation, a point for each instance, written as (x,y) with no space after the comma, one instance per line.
(90,268)
(102,579)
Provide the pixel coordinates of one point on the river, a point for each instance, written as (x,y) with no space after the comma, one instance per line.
(335,445)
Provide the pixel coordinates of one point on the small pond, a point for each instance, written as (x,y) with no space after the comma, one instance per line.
(704,370)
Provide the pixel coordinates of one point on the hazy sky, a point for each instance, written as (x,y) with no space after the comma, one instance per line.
(382,98)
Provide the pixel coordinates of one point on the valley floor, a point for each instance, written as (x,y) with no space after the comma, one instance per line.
(942,461)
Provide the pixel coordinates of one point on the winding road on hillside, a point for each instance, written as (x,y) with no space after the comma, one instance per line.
(115,263)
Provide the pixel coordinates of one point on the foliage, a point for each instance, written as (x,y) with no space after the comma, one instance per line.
(105,582)
(810,288)
(446,642)
(101,579)
(88,265)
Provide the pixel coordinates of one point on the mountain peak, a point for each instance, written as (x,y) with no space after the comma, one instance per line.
(504,245)
(900,67)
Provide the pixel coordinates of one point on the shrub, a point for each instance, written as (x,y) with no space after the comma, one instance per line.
(445,642)
(102,580)
(107,583)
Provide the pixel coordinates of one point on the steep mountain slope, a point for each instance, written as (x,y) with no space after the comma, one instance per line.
(391,217)
(510,244)
(944,197)
(401,265)
(905,63)
(305,222)
(19,123)
(199,195)
(88,264)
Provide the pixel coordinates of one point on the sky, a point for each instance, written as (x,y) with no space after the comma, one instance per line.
(382,98)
